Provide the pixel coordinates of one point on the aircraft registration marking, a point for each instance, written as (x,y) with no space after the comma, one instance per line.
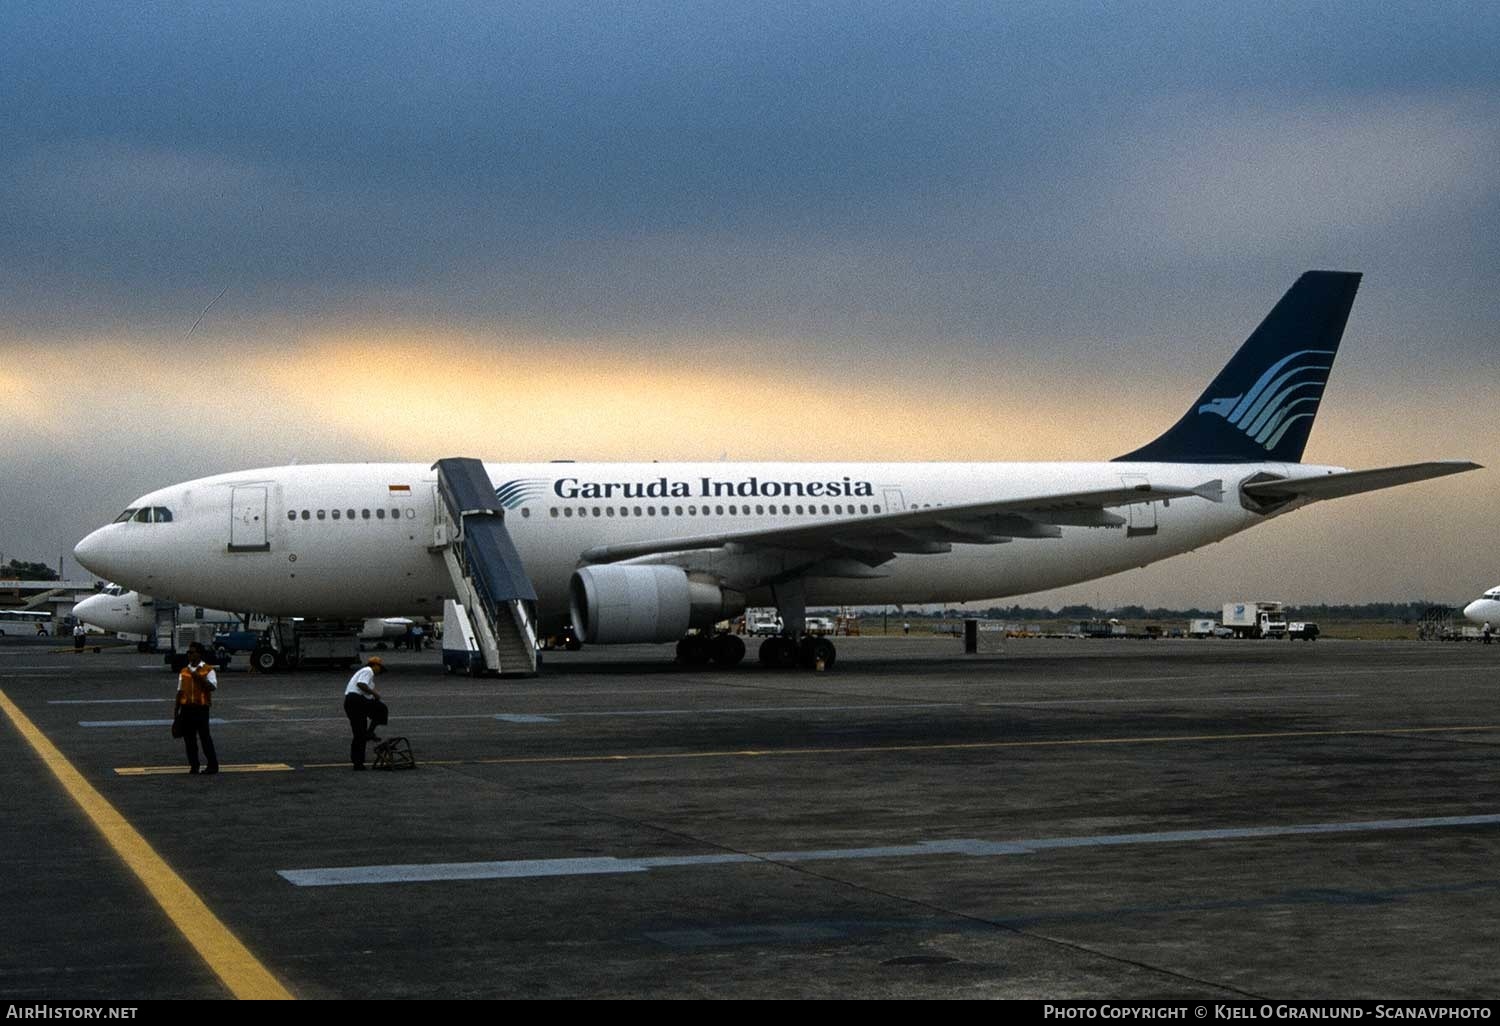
(343,876)
(230,960)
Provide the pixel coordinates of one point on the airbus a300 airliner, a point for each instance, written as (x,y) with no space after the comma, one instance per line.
(660,552)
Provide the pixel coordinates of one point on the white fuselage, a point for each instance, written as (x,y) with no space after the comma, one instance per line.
(1485,609)
(351,541)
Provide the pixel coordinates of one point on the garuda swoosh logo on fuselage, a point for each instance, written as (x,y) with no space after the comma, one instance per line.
(516,492)
(1287,392)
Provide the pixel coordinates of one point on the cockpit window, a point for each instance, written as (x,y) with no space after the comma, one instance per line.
(143,515)
(149,515)
(163,515)
(125,516)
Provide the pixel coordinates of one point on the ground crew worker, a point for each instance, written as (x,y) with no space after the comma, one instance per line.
(195,687)
(79,632)
(360,697)
(1487,632)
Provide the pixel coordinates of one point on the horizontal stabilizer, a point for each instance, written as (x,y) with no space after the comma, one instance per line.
(1352,482)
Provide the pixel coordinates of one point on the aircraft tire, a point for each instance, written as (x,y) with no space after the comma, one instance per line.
(811,650)
(728,650)
(778,653)
(265,659)
(695,650)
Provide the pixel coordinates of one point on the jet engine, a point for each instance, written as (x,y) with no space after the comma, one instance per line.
(622,604)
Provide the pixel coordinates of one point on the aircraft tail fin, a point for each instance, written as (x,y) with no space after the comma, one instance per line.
(1262,404)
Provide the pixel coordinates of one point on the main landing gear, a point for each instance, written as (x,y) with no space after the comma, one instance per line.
(778,653)
(723,650)
(808,652)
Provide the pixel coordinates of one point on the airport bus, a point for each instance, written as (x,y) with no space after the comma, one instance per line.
(23,622)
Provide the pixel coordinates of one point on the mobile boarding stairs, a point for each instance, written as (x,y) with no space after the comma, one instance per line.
(490,585)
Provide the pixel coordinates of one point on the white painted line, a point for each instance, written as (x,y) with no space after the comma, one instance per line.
(604,865)
(522,718)
(730,711)
(1178,699)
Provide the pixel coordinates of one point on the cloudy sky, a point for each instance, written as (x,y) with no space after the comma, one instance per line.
(251,233)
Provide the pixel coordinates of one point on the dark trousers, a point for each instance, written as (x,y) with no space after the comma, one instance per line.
(194,720)
(358,709)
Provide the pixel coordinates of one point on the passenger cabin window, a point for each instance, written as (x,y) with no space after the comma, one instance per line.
(380,514)
(291,514)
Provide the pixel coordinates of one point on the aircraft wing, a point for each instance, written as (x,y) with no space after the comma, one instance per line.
(1352,482)
(875,539)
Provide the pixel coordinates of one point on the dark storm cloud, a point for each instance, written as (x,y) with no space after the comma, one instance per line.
(930,174)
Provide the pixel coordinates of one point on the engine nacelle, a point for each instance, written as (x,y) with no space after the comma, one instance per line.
(622,604)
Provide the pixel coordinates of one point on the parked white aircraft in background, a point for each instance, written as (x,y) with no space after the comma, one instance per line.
(129,612)
(642,552)
(1486,608)
(118,610)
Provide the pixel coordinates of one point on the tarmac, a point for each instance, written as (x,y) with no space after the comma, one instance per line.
(1058,819)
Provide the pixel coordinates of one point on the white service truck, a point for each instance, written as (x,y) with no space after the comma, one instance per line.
(762,622)
(1255,619)
(1201,628)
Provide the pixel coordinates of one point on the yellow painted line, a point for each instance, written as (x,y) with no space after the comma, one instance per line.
(230,960)
(755,753)
(228,767)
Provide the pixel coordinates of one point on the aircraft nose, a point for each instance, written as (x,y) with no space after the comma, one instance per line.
(93,553)
(91,606)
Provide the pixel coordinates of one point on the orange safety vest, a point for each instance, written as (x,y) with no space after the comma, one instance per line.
(192,686)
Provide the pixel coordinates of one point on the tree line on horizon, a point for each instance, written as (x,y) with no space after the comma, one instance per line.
(1402,611)
(19,570)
